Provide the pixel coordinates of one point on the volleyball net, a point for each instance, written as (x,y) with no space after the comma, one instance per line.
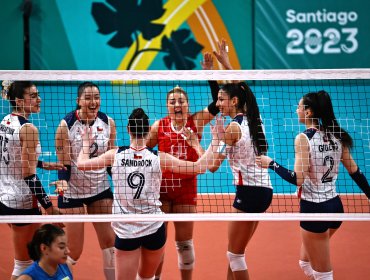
(277,92)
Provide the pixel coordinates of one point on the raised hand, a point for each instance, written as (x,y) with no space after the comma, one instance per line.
(218,128)
(207,63)
(222,54)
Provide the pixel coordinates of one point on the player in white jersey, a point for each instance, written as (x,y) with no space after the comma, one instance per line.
(20,188)
(137,176)
(87,188)
(240,142)
(318,151)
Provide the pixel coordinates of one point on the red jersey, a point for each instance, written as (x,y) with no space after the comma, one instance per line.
(172,142)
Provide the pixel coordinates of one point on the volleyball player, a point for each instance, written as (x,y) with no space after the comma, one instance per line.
(179,191)
(20,188)
(318,151)
(241,141)
(87,188)
(49,251)
(137,175)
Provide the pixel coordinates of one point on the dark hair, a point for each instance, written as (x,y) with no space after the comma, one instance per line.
(248,105)
(46,234)
(138,123)
(81,89)
(322,109)
(178,90)
(16,90)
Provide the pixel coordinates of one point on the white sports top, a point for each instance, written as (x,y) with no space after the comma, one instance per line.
(325,155)
(14,192)
(137,179)
(242,159)
(83,184)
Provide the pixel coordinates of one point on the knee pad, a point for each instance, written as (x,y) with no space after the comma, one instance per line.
(109,263)
(108,257)
(323,275)
(307,269)
(236,261)
(20,266)
(185,254)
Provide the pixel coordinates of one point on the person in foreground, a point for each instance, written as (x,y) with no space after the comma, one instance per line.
(318,151)
(137,174)
(20,187)
(49,251)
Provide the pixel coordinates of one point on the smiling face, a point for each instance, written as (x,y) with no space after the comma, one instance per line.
(58,250)
(31,101)
(177,106)
(225,104)
(89,103)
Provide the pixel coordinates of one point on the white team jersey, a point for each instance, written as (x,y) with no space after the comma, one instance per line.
(14,192)
(242,159)
(137,179)
(83,184)
(325,155)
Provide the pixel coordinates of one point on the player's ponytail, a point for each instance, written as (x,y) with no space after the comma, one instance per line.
(254,120)
(322,108)
(46,235)
(247,103)
(138,123)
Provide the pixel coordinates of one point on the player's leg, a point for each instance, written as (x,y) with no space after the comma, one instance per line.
(21,236)
(152,251)
(105,235)
(166,208)
(304,263)
(184,242)
(318,251)
(127,263)
(239,235)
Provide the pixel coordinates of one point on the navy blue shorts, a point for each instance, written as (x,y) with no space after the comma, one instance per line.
(252,199)
(154,241)
(65,202)
(333,205)
(5,210)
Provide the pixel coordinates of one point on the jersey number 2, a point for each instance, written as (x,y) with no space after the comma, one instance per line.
(325,178)
(4,155)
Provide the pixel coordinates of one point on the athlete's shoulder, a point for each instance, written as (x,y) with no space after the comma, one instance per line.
(151,150)
(70,119)
(310,132)
(104,117)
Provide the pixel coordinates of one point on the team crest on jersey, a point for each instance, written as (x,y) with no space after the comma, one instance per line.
(136,156)
(99,129)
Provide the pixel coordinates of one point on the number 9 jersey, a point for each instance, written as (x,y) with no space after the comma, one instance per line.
(137,179)
(325,156)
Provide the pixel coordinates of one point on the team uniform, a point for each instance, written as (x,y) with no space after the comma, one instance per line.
(318,192)
(37,273)
(85,187)
(16,197)
(253,184)
(180,189)
(136,176)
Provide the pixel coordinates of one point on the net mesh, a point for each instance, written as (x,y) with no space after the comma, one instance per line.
(277,94)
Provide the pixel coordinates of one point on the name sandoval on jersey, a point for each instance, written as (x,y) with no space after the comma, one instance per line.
(134,162)
(326,148)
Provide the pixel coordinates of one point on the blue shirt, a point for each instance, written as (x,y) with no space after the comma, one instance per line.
(37,273)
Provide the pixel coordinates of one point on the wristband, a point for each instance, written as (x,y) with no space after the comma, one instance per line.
(361,181)
(37,190)
(65,174)
(286,174)
(40,164)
